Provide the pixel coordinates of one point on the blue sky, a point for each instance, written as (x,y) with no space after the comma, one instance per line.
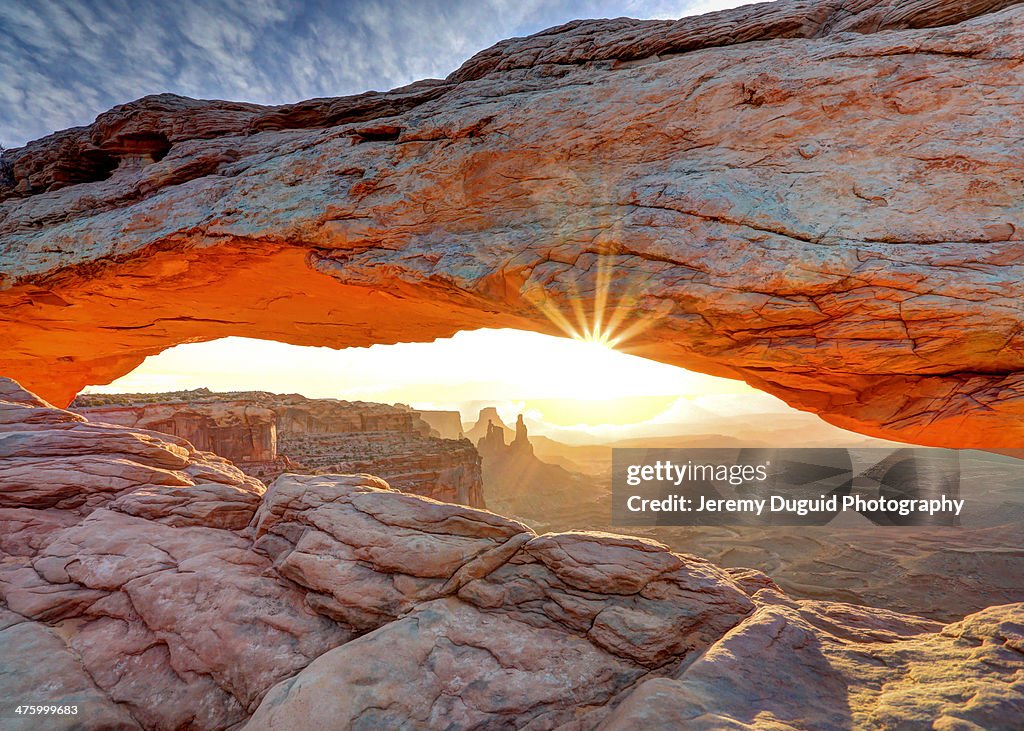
(65,61)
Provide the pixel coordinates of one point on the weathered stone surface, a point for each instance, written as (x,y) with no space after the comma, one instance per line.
(50,458)
(345,603)
(789,665)
(27,530)
(213,505)
(38,669)
(866,671)
(449,665)
(625,40)
(169,627)
(198,612)
(368,554)
(806,195)
(630,597)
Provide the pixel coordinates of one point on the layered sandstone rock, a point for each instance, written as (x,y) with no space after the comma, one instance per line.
(240,431)
(124,583)
(267,434)
(338,602)
(820,197)
(51,458)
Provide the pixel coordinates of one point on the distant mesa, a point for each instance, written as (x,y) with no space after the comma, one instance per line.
(444,424)
(488,416)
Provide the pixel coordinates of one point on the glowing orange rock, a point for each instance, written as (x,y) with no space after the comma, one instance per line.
(832,214)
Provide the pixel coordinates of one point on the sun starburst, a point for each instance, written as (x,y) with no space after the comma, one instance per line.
(596,316)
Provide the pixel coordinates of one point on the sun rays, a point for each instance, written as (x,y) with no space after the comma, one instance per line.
(596,316)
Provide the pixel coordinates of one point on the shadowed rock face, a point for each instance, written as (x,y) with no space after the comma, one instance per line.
(824,199)
(334,601)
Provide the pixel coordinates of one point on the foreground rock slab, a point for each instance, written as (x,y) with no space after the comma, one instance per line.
(857,669)
(335,601)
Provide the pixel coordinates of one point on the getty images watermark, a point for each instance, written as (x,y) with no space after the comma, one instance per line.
(902,486)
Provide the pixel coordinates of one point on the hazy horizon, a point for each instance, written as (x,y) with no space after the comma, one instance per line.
(572,391)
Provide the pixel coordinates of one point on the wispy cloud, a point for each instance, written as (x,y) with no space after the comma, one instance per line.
(65,61)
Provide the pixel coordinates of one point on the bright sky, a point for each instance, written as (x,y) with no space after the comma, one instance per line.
(561,384)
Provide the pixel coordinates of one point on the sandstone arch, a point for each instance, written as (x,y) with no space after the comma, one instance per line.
(825,202)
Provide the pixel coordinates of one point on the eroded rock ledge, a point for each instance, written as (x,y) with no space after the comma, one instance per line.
(266,434)
(335,601)
(821,198)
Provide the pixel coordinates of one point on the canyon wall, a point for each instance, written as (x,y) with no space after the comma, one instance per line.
(267,434)
(240,431)
(821,198)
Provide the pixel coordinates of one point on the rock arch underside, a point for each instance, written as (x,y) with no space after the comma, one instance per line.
(821,198)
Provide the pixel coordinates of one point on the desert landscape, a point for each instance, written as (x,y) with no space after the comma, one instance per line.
(135,564)
(942,573)
(820,199)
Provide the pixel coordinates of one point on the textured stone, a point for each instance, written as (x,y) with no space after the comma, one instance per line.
(805,195)
(449,665)
(170,627)
(267,434)
(345,603)
(53,458)
(368,555)
(188,613)
(39,670)
(866,671)
(630,597)
(213,505)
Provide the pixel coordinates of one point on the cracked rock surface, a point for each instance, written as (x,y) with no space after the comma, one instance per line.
(335,601)
(822,198)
